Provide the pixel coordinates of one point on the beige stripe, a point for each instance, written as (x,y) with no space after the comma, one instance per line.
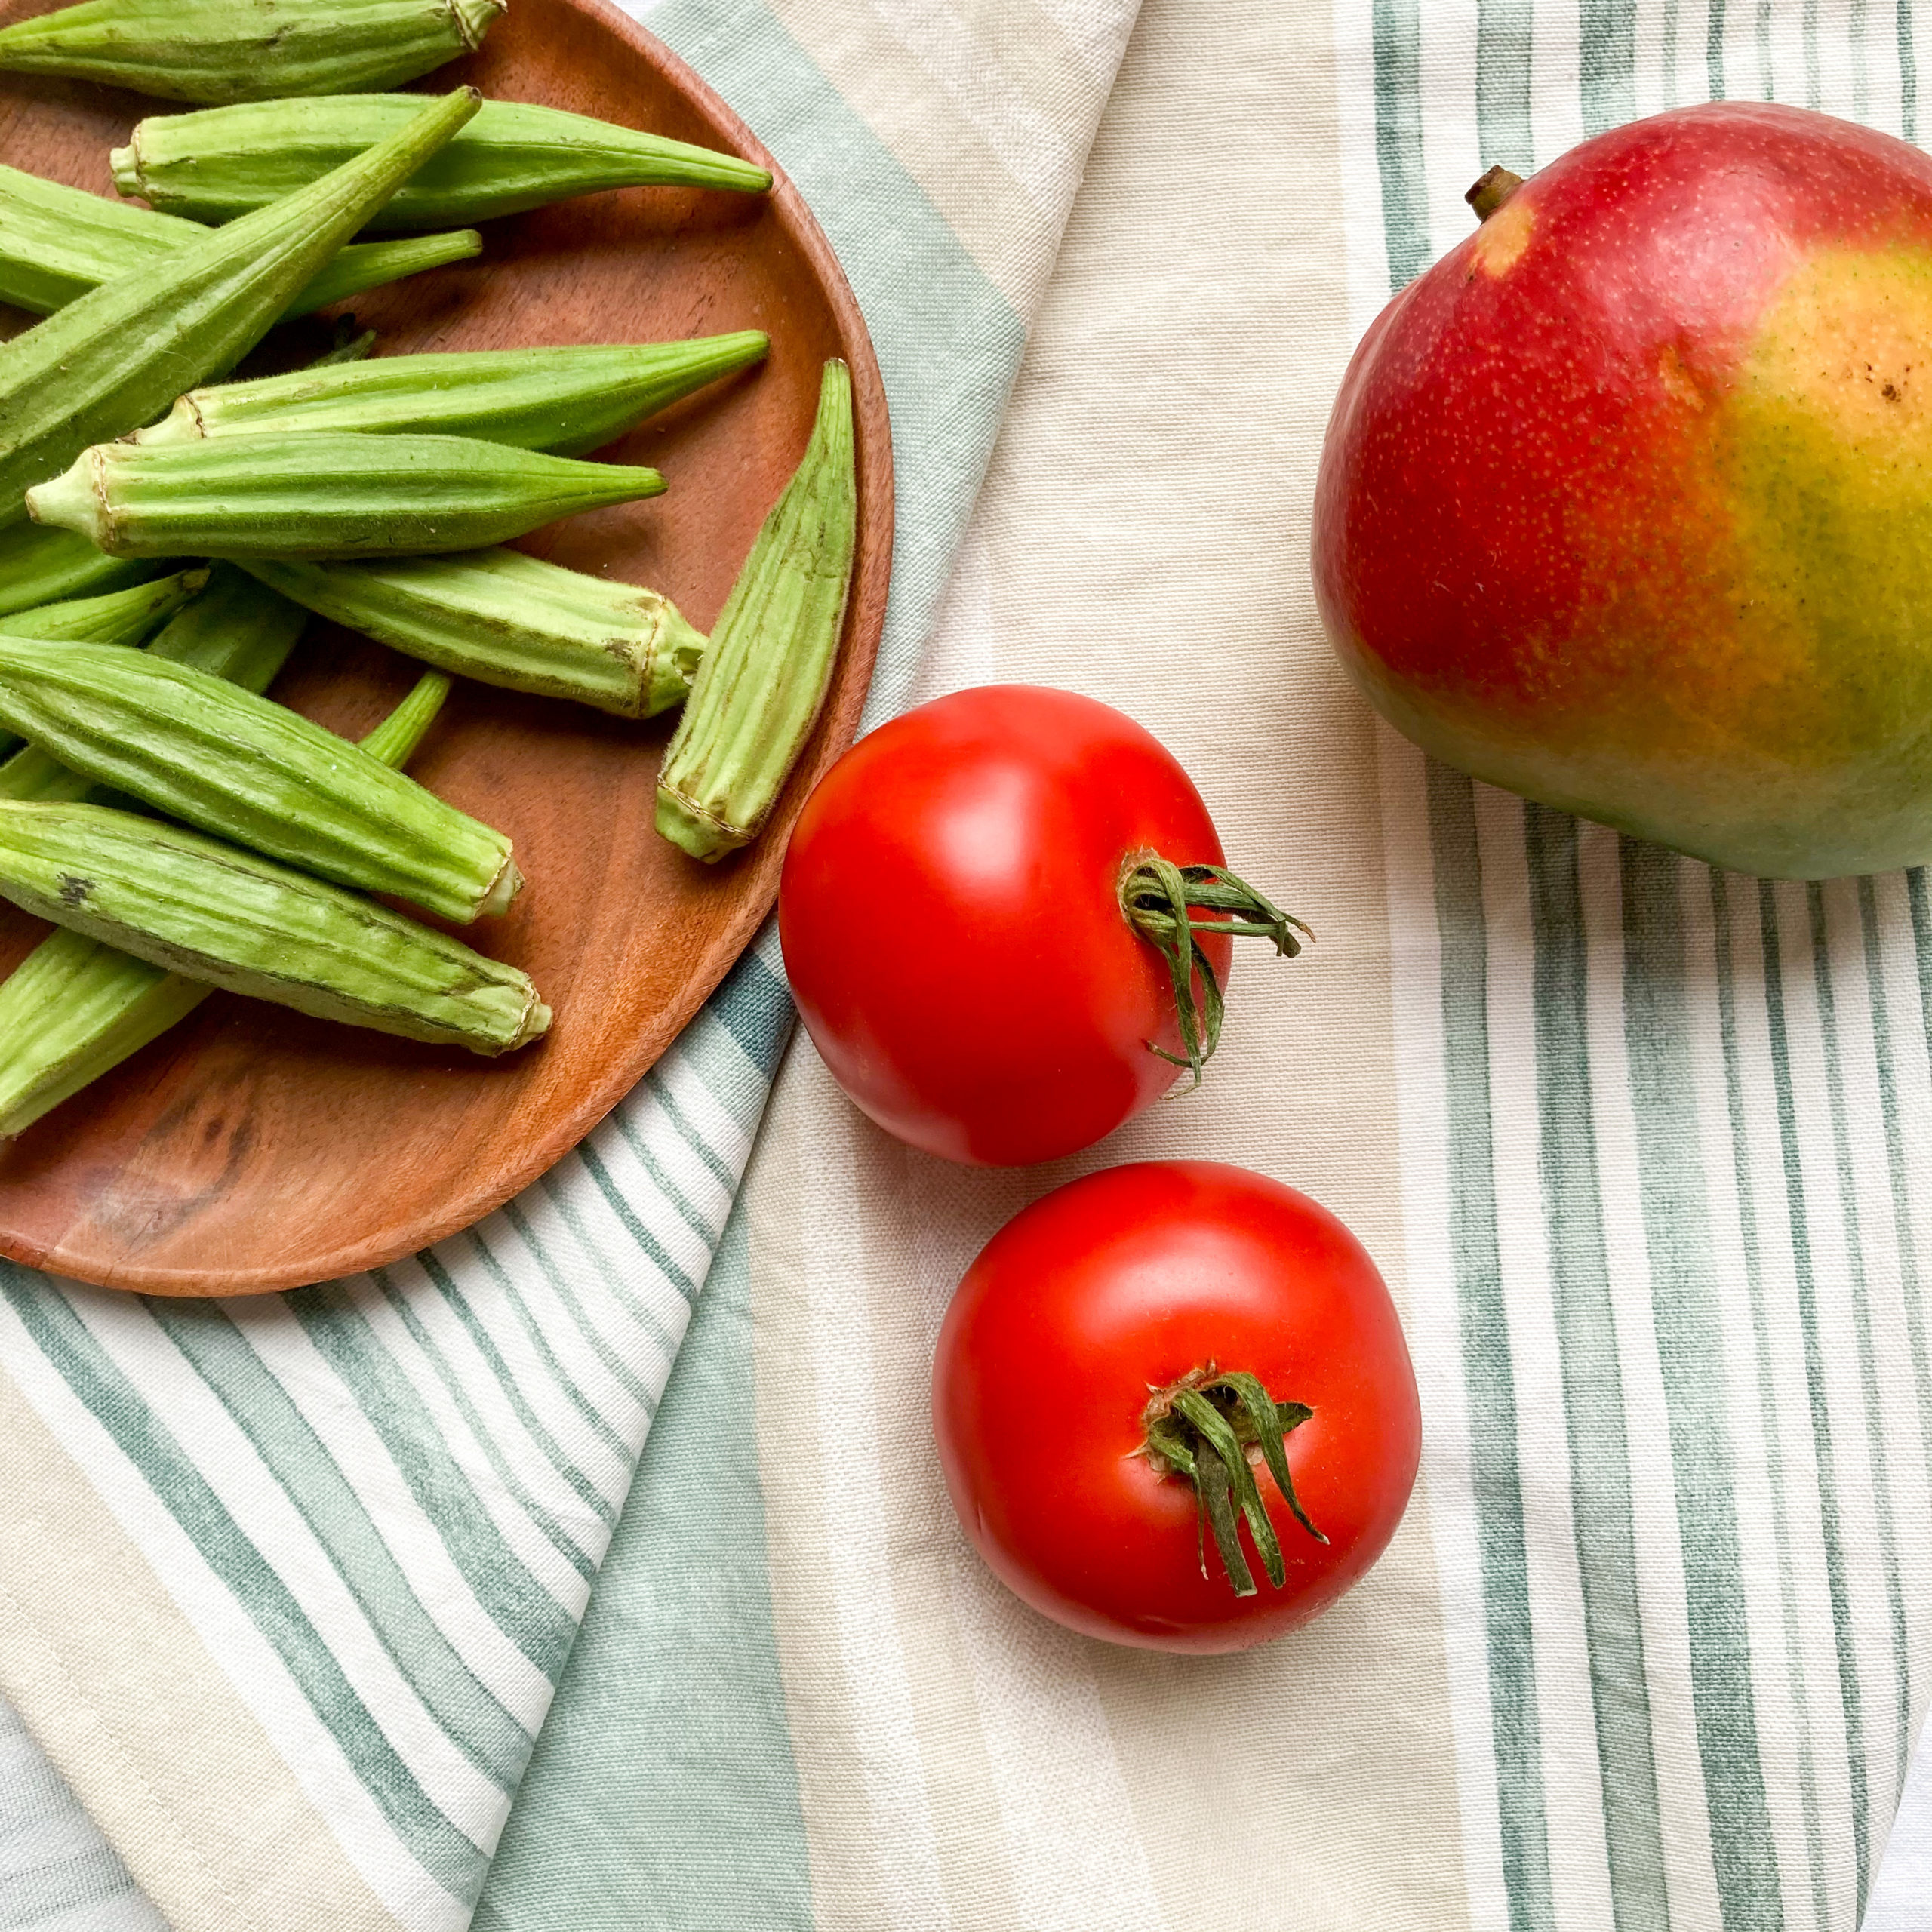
(169,1763)
(987,104)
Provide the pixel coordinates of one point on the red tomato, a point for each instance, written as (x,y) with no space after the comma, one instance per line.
(953,930)
(1146,1279)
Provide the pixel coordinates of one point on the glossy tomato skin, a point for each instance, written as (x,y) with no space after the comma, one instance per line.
(1131,1278)
(952,926)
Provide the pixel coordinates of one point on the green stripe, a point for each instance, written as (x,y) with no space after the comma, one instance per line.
(1607,46)
(1770,1410)
(119,1407)
(1814,85)
(1496,1478)
(1911,1272)
(587,1491)
(1593,1395)
(596,1250)
(1905,33)
(558,1533)
(1398,33)
(1714,73)
(1836,1583)
(640,1392)
(514,1299)
(535,1623)
(1767,85)
(486,1732)
(1688,1313)
(1505,30)
(1861,1314)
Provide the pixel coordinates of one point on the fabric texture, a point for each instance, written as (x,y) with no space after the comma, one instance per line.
(1640,1148)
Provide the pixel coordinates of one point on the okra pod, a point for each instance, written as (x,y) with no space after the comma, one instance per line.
(505,619)
(568,401)
(116,358)
(215,165)
(762,680)
(322,493)
(197,748)
(57,243)
(41,565)
(234,628)
(248,50)
(211,911)
(76,1007)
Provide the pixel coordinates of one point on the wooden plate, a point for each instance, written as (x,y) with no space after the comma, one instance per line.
(253,1148)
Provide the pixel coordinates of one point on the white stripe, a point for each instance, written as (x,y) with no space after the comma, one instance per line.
(1684,1805)
(1884,106)
(1898,1421)
(1452,154)
(542,1482)
(259,1678)
(1836,1269)
(704,1113)
(1556,92)
(1655,76)
(1760,1549)
(1579,1856)
(1415,983)
(411,1537)
(1839,62)
(184,1405)
(1803,1556)
(670,1145)
(1790,81)
(1364,236)
(528,1543)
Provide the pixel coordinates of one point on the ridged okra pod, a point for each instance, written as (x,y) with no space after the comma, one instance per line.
(234,628)
(505,619)
(322,493)
(208,911)
(58,243)
(216,165)
(568,401)
(116,358)
(200,749)
(759,689)
(248,50)
(41,565)
(76,1007)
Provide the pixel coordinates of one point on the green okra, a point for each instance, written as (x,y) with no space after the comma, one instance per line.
(199,748)
(211,912)
(215,165)
(248,50)
(505,619)
(114,359)
(121,616)
(759,689)
(320,493)
(57,243)
(41,565)
(76,1007)
(234,628)
(568,401)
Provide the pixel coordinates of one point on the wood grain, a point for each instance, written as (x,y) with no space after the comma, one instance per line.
(252,1149)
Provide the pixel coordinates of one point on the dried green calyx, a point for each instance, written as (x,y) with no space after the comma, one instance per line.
(322,493)
(763,681)
(248,50)
(505,619)
(1202,1429)
(217,165)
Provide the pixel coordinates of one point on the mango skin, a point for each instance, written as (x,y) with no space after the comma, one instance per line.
(1626,503)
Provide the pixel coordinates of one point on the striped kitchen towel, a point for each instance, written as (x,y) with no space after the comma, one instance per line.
(1644,1150)
(286,1585)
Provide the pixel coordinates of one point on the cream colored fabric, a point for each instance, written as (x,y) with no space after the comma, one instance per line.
(960,1761)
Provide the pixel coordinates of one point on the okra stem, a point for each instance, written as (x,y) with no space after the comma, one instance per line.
(759,689)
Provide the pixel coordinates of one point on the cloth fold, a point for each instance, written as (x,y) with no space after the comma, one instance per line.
(286,1585)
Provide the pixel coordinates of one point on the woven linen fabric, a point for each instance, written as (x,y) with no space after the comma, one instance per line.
(1641,1148)
(286,1584)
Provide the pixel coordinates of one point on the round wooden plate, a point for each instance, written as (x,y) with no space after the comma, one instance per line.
(252,1149)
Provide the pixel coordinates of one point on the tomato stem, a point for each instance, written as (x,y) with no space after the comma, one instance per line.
(1202,1427)
(1159,900)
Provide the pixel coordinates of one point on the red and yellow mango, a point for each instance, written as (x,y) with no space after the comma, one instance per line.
(1626,503)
